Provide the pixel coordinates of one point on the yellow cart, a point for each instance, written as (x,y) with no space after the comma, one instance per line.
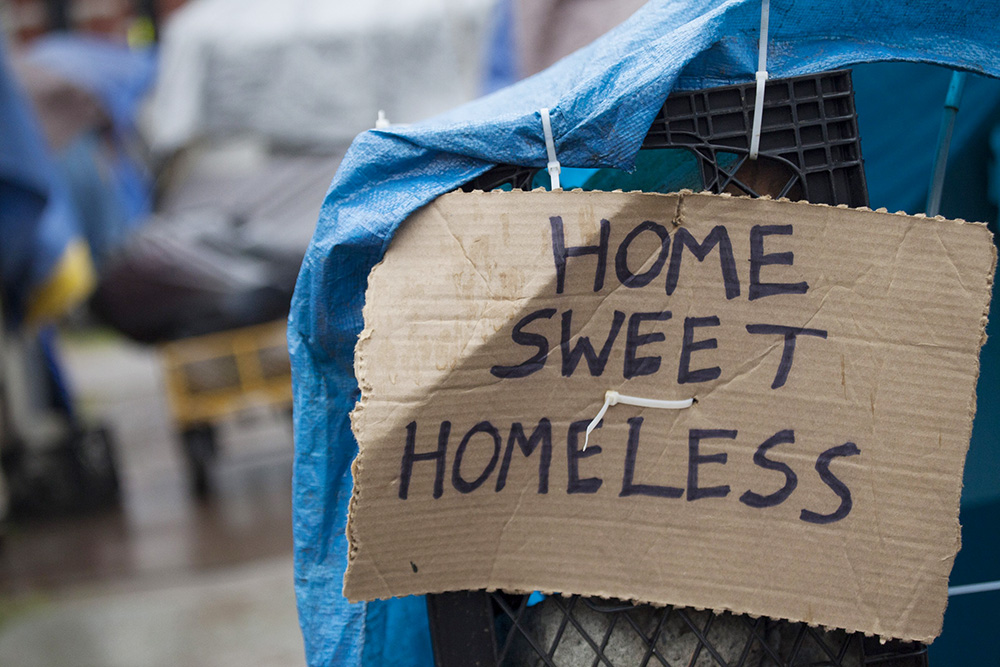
(215,376)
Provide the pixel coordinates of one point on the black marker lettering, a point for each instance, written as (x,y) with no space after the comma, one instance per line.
(718,236)
(409,457)
(636,366)
(560,252)
(595,362)
(542,435)
(823,468)
(788,353)
(573,456)
(695,459)
(460,483)
(628,487)
(684,373)
(760,458)
(759,258)
(519,336)
(625,275)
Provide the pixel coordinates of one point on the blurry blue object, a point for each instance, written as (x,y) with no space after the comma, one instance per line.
(24,175)
(602,100)
(501,63)
(59,390)
(38,224)
(119,78)
(105,216)
(117,75)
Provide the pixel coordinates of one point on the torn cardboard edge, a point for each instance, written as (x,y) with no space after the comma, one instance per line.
(361,362)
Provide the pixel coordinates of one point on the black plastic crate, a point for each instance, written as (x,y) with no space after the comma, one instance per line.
(809,127)
(810,150)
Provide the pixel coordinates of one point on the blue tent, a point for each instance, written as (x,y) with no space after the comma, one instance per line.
(110,204)
(43,260)
(603,98)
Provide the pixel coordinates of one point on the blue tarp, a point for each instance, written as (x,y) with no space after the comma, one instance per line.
(603,99)
(119,78)
(54,204)
(117,75)
(36,224)
(24,169)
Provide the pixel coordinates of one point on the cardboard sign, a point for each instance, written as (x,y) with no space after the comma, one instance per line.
(832,355)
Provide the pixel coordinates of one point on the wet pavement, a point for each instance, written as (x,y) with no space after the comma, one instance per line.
(165,580)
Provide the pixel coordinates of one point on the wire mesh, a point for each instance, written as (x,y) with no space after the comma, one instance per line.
(575,631)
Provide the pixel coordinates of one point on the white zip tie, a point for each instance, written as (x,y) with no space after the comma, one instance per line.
(612,397)
(974,588)
(550,149)
(758,105)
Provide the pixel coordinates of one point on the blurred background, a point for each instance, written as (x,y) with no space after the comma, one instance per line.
(162,166)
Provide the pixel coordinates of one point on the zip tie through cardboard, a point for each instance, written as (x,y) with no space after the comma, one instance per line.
(612,397)
(758,105)
(550,149)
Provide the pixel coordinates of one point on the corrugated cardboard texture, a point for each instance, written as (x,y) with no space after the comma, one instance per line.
(827,492)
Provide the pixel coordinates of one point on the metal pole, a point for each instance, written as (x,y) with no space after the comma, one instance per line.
(951,101)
